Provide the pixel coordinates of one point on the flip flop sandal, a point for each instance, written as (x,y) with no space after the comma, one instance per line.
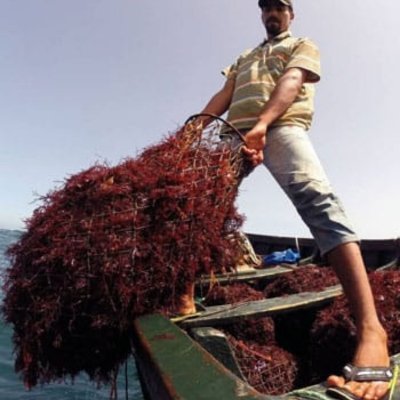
(366,374)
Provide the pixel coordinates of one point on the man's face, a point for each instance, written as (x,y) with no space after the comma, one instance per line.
(276,17)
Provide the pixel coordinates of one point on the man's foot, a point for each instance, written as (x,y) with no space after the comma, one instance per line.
(187,304)
(371,352)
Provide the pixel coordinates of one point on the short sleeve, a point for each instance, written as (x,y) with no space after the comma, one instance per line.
(230,71)
(305,55)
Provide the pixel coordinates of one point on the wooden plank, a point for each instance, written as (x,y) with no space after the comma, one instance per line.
(225,314)
(216,343)
(246,275)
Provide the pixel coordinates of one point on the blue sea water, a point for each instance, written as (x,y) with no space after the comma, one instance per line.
(11,386)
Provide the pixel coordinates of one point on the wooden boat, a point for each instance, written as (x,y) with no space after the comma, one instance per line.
(190,358)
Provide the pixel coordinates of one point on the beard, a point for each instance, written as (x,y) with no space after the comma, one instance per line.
(273,27)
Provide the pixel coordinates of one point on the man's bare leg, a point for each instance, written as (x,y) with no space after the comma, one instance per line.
(187,304)
(372,339)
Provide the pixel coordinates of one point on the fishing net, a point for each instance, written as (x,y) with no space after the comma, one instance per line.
(113,243)
(269,369)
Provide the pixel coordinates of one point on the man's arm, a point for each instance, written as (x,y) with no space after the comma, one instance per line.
(220,102)
(283,96)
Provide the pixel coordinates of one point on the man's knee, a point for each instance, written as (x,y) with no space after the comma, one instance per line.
(311,196)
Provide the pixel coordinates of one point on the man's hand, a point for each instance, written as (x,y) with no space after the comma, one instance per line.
(255,141)
(282,97)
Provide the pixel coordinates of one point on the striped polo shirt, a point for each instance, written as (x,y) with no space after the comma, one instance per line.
(256,73)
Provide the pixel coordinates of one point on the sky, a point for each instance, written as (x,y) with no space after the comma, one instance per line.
(86,81)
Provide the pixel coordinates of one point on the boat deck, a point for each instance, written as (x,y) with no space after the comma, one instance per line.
(173,366)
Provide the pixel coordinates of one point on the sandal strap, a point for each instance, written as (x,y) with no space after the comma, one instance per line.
(367,374)
(341,394)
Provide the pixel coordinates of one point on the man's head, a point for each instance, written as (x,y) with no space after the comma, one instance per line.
(276,15)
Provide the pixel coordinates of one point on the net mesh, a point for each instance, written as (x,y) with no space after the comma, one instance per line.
(266,366)
(113,243)
(269,369)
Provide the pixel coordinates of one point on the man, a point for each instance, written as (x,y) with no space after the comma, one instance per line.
(268,94)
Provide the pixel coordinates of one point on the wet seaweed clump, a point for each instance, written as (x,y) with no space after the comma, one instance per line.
(260,330)
(308,344)
(113,243)
(292,330)
(302,279)
(234,293)
(268,368)
(333,335)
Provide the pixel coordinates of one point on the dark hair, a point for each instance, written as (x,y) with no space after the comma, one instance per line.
(264,3)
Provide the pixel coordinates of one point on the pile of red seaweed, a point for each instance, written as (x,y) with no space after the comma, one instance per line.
(268,368)
(333,334)
(114,243)
(259,330)
(308,278)
(231,294)
(280,354)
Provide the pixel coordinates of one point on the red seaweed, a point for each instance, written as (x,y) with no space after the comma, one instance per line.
(231,294)
(114,243)
(333,335)
(269,369)
(259,330)
(302,279)
(321,342)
